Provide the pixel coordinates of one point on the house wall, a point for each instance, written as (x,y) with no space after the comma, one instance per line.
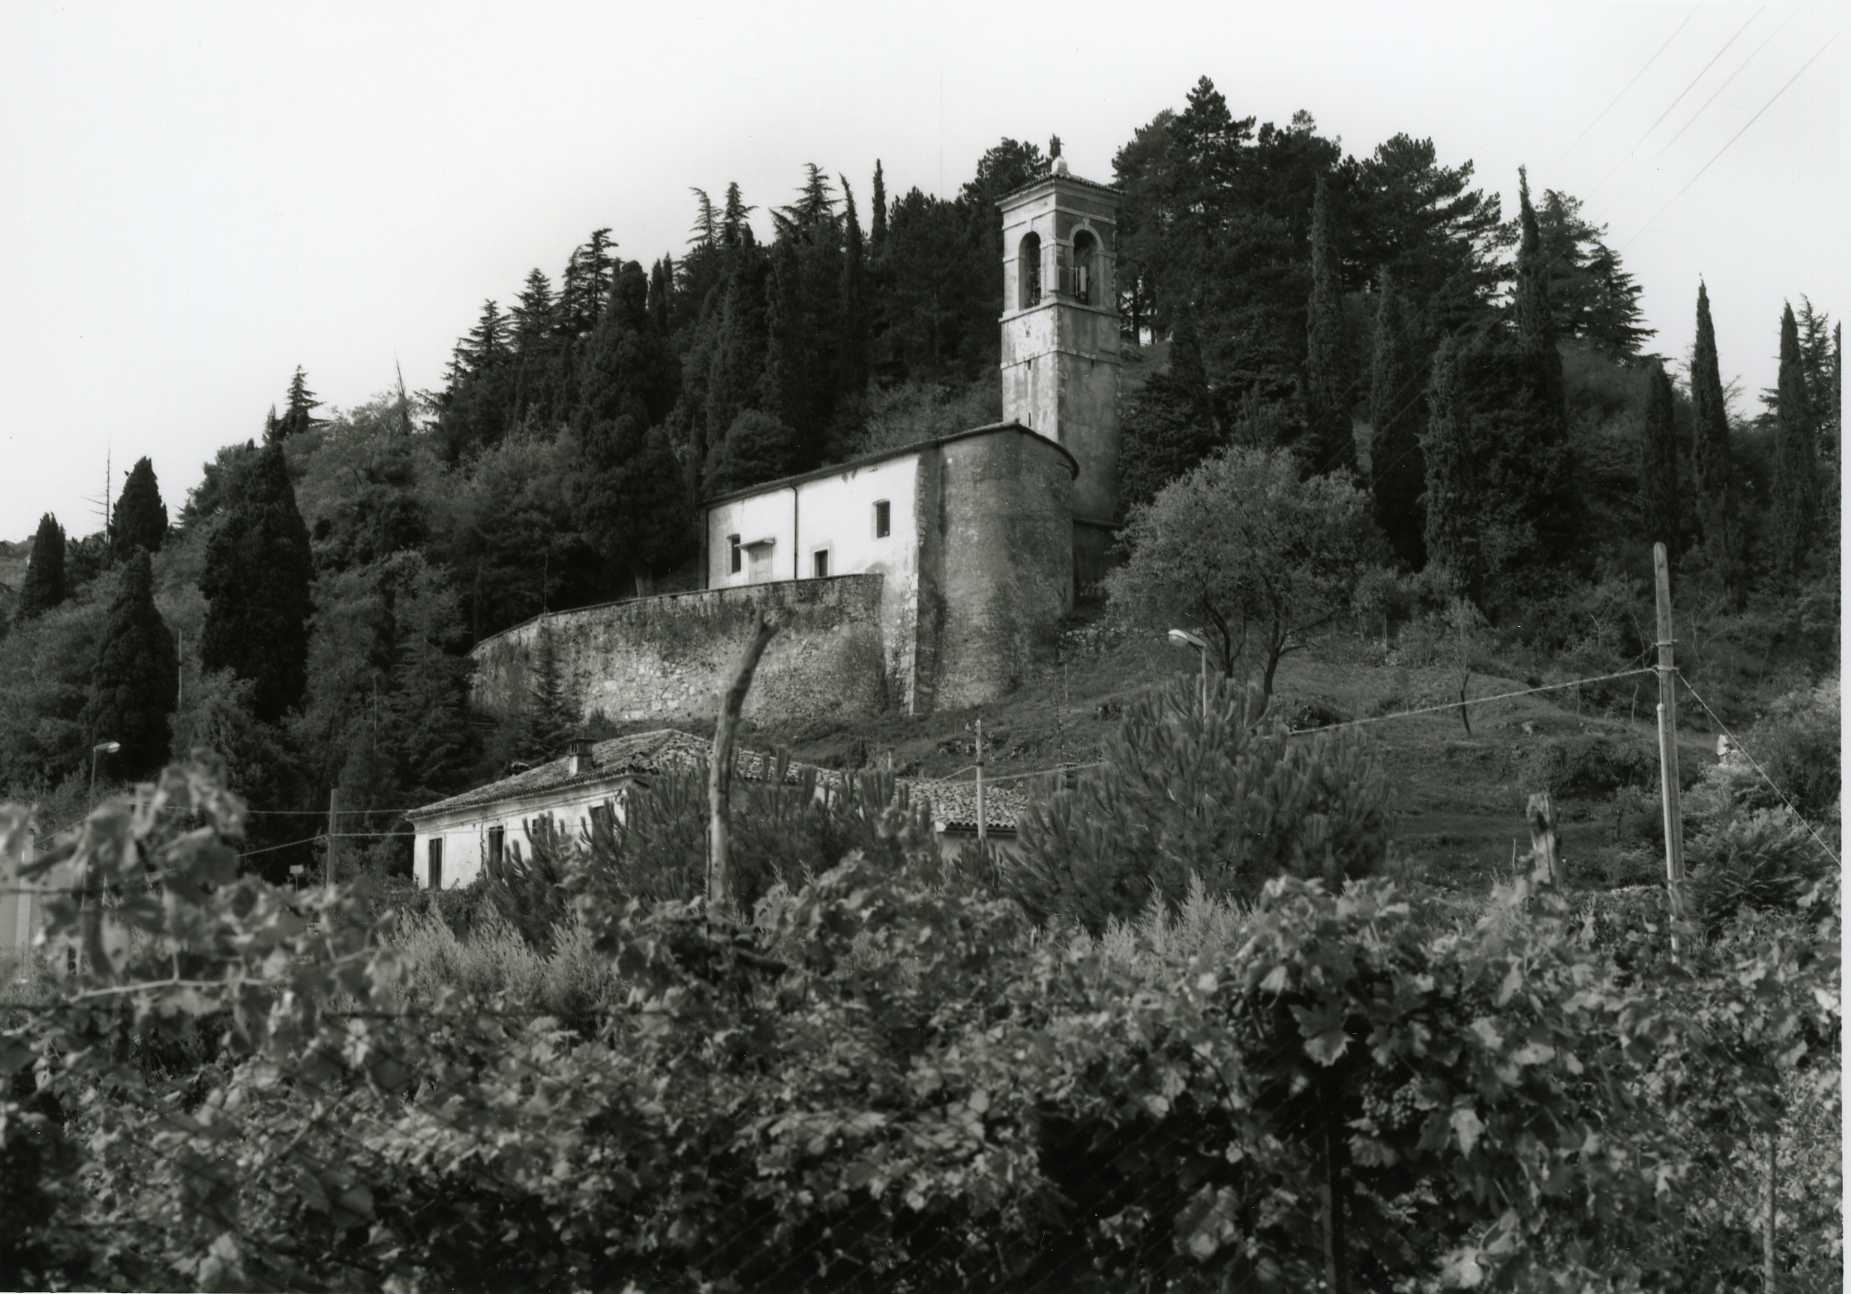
(671,657)
(833,512)
(464,832)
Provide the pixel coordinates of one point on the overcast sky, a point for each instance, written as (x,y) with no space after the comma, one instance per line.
(199,197)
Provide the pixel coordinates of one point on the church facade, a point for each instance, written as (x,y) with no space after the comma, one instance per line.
(950,563)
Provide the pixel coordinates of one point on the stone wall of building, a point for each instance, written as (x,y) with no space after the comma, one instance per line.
(996,566)
(670,657)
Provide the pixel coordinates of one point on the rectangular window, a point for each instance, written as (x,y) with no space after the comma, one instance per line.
(603,821)
(883,519)
(496,837)
(433,863)
(732,544)
(821,561)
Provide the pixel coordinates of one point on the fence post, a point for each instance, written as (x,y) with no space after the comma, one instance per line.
(982,829)
(1667,739)
(1541,814)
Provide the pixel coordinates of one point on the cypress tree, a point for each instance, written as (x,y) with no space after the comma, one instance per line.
(256,584)
(134,686)
(852,358)
(1658,501)
(550,718)
(1710,433)
(780,391)
(1535,319)
(1796,474)
(140,516)
(43,587)
(1451,524)
(877,215)
(662,296)
(1327,406)
(1397,403)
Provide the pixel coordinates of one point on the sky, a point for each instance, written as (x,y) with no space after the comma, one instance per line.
(204,195)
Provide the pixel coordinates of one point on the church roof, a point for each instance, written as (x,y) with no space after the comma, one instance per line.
(1061,175)
(867,460)
(636,755)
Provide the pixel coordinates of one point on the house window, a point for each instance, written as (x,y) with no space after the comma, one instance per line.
(820,560)
(603,821)
(433,863)
(733,554)
(496,837)
(883,519)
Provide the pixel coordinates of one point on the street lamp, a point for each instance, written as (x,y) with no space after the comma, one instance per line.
(101,748)
(1196,641)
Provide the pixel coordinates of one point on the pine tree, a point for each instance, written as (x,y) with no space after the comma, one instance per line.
(550,718)
(1397,411)
(1710,428)
(735,229)
(1612,322)
(1658,463)
(532,340)
(43,588)
(1329,441)
(256,584)
(134,686)
(140,518)
(1796,475)
(1535,319)
(298,413)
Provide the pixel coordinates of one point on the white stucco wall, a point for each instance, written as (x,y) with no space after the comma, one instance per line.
(464,831)
(833,512)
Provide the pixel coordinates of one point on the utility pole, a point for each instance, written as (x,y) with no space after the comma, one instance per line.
(1667,738)
(983,833)
(334,843)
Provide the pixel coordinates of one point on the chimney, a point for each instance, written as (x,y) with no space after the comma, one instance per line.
(579,758)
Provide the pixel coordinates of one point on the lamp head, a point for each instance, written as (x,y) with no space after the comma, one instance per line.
(107,747)
(1185,637)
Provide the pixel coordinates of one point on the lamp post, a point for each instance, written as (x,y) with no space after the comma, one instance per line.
(1196,641)
(101,748)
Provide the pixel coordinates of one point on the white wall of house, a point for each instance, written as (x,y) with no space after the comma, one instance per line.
(464,832)
(833,514)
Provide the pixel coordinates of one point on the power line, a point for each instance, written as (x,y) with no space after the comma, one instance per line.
(1634,150)
(1737,135)
(1601,115)
(1714,94)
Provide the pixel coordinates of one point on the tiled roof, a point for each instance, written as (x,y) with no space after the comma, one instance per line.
(636,755)
(954,804)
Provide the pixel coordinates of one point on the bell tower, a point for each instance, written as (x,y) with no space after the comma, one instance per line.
(1060,345)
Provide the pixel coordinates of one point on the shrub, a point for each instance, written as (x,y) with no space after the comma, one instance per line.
(1588,766)
(1184,794)
(1762,859)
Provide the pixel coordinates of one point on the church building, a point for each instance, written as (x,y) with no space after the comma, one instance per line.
(949,562)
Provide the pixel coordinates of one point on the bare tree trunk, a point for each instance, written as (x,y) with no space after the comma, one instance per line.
(720,771)
(1767,1234)
(1465,681)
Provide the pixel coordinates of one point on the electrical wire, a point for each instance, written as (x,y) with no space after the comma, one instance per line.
(1602,114)
(1714,94)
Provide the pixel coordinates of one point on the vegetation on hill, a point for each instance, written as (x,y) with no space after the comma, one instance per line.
(1475,377)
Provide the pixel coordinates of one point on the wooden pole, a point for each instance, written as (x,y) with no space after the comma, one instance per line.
(982,829)
(1203,655)
(1542,838)
(334,840)
(1667,738)
(720,771)
(1769,1266)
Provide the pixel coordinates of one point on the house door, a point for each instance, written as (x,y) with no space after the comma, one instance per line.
(761,563)
(433,865)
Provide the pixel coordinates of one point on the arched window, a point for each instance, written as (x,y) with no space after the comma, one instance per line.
(1084,245)
(1028,271)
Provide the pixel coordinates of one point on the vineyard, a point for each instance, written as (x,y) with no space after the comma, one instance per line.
(1267,1064)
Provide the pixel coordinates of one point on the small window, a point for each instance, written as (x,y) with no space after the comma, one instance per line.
(883,519)
(820,560)
(496,838)
(603,821)
(433,863)
(734,555)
